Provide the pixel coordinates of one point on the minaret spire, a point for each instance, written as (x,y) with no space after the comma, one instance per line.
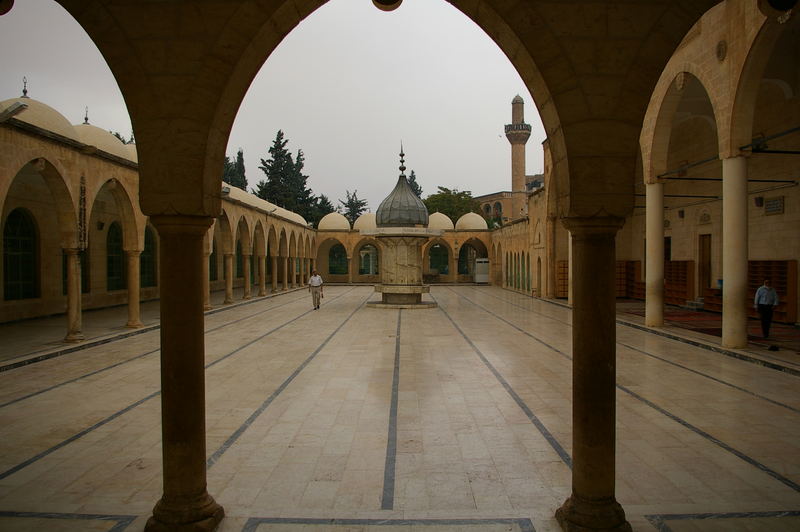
(24,87)
(86,116)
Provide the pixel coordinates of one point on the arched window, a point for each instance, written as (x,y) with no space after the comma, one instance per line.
(268,268)
(212,262)
(147,260)
(368,260)
(466,260)
(239,261)
(487,210)
(115,258)
(438,260)
(498,210)
(337,260)
(20,256)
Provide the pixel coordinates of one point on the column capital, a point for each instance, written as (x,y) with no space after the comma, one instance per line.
(71,251)
(133,252)
(593,225)
(182,224)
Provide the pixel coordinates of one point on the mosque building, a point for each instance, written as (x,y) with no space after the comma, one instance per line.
(670,178)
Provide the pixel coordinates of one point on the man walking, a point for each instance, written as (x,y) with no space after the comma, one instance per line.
(315,287)
(765,302)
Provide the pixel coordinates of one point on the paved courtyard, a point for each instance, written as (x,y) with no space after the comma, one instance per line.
(352,418)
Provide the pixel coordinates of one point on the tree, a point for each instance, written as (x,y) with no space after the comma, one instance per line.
(453,203)
(321,206)
(412,181)
(233,171)
(352,207)
(286,183)
(121,138)
(277,170)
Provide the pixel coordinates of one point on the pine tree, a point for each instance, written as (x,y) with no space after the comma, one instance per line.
(352,207)
(233,171)
(412,181)
(278,169)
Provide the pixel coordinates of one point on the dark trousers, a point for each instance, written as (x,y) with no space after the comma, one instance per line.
(766,318)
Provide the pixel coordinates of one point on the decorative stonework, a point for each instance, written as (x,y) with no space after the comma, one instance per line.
(722,50)
(401,266)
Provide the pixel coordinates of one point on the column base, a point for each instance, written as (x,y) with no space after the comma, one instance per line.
(202,515)
(228,302)
(74,338)
(134,325)
(578,515)
(245,298)
(262,293)
(207,307)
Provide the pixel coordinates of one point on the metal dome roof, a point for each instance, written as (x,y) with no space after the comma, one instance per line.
(402,208)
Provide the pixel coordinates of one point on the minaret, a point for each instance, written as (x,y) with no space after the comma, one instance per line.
(517,133)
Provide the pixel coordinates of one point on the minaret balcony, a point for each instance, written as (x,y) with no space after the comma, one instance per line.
(518,127)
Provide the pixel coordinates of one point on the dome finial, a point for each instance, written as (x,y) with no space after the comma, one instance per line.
(402,161)
(86,116)
(24,87)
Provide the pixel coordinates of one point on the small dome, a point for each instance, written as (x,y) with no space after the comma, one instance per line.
(517,99)
(471,222)
(365,221)
(42,116)
(438,220)
(133,155)
(334,222)
(102,140)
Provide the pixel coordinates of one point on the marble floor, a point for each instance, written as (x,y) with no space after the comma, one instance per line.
(353,418)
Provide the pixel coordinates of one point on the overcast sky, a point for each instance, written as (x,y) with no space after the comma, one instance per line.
(346,86)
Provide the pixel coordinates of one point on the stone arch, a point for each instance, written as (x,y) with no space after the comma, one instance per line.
(54,175)
(759,54)
(225,236)
(272,240)
(259,239)
(283,244)
(133,236)
(323,258)
(664,105)
(433,266)
(367,267)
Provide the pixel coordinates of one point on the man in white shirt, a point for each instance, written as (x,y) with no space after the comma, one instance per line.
(765,302)
(315,287)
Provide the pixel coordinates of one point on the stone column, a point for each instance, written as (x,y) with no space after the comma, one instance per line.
(246,275)
(133,267)
(262,275)
(350,270)
(293,271)
(228,266)
(206,281)
(654,255)
(734,252)
(274,260)
(550,291)
(74,316)
(570,270)
(453,266)
(185,504)
(592,505)
(285,273)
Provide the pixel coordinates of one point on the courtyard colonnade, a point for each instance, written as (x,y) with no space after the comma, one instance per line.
(552,49)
